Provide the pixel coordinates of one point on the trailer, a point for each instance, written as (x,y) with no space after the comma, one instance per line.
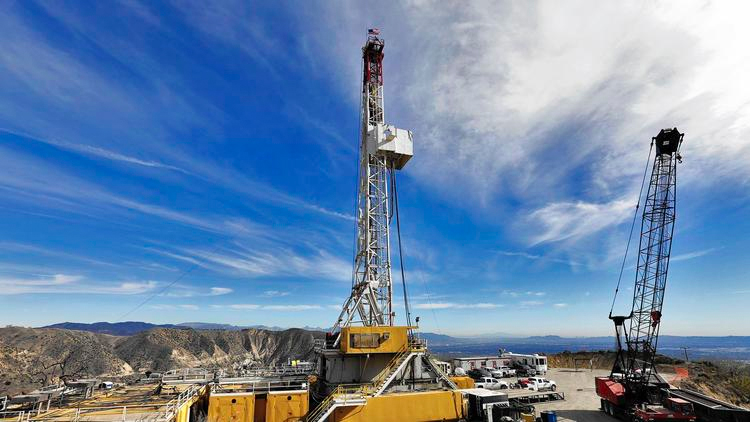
(536,362)
(476,362)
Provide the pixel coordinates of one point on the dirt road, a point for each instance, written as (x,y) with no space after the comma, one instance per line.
(581,402)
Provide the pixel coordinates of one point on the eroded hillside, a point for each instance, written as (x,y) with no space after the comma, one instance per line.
(32,357)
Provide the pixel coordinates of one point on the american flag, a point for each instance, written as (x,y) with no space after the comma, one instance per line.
(373,31)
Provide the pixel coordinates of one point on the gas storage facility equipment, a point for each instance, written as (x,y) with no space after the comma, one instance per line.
(371,369)
(634,389)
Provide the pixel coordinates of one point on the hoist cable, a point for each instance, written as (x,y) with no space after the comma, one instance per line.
(632,227)
(400,249)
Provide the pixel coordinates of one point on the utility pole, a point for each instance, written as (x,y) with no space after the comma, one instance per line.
(687,359)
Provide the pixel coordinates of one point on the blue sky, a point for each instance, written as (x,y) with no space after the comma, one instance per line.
(214,147)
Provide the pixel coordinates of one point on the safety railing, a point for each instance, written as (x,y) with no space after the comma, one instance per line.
(253,385)
(342,395)
(174,405)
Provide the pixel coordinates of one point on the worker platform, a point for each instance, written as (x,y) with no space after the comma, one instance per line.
(520,397)
(138,402)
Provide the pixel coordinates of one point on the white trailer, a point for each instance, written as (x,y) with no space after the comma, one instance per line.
(488,362)
(535,361)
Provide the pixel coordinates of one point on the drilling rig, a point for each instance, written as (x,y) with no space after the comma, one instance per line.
(369,367)
(383,149)
(634,390)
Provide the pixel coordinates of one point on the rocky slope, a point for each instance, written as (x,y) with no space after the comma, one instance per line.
(31,357)
(162,349)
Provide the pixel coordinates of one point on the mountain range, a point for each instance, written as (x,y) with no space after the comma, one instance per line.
(733,347)
(129,328)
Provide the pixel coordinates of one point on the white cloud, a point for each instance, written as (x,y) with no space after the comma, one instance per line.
(286,308)
(97,152)
(168,307)
(451,305)
(242,306)
(291,308)
(561,221)
(536,257)
(560,305)
(556,121)
(275,293)
(272,260)
(72,284)
(527,303)
(691,255)
(218,291)
(513,293)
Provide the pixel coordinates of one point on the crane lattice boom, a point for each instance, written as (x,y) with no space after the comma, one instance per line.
(636,361)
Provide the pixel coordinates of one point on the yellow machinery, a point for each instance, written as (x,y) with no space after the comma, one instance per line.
(463,382)
(413,407)
(274,406)
(377,339)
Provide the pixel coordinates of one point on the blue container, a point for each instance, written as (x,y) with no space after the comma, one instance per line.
(548,416)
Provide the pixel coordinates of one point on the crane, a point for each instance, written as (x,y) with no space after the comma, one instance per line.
(634,387)
(383,149)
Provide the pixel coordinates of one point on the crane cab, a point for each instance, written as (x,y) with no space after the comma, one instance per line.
(668,141)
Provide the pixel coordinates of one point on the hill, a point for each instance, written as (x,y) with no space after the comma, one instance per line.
(127,328)
(32,357)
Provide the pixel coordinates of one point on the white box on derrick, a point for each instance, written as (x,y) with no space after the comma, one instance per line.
(394,143)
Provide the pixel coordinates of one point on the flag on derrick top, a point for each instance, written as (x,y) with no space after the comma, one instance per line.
(373,31)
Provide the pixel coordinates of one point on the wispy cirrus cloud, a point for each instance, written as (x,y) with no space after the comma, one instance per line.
(170,307)
(275,293)
(692,255)
(536,257)
(533,138)
(453,305)
(570,221)
(72,284)
(284,308)
(270,261)
(98,152)
(219,291)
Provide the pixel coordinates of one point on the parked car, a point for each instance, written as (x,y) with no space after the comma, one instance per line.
(491,384)
(525,370)
(497,373)
(540,384)
(509,372)
(478,373)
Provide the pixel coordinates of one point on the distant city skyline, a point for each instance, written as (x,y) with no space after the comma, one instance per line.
(166,164)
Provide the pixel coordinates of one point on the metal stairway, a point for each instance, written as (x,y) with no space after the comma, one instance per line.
(356,395)
(384,378)
(340,397)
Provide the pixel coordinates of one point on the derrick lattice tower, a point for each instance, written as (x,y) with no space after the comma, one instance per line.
(383,149)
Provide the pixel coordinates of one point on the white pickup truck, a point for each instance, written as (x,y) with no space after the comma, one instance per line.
(503,372)
(540,384)
(509,372)
(491,383)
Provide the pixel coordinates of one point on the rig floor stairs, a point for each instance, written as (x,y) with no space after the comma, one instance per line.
(357,394)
